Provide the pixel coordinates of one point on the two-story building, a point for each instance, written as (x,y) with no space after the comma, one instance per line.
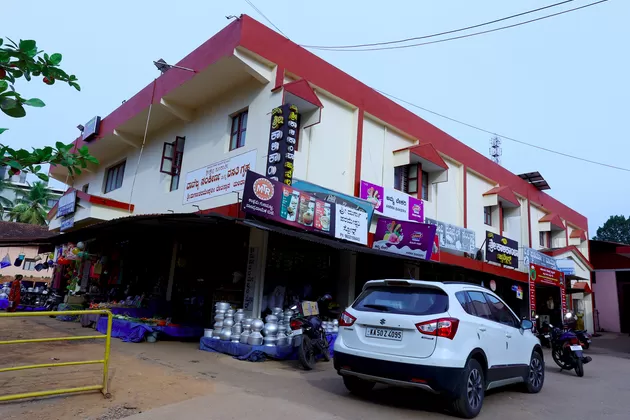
(213,110)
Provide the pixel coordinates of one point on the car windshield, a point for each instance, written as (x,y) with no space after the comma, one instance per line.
(402,300)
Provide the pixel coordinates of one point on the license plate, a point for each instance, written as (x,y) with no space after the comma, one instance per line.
(385,333)
(576,348)
(546,335)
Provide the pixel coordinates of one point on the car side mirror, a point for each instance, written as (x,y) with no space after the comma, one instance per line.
(526,324)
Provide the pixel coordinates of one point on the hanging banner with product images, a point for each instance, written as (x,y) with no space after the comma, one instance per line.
(392,203)
(290,206)
(454,237)
(282,143)
(405,238)
(502,250)
(219,178)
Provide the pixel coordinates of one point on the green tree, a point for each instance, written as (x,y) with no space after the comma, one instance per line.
(24,60)
(4,202)
(32,205)
(616,229)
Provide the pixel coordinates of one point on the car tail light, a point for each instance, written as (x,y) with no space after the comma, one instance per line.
(443,327)
(346,320)
(295,324)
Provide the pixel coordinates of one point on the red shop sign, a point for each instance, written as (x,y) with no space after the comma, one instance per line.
(544,275)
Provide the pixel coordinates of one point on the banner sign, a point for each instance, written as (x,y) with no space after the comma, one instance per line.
(332,196)
(546,275)
(531,256)
(66,223)
(405,238)
(290,206)
(284,129)
(435,255)
(67,204)
(219,178)
(454,237)
(502,250)
(392,203)
(567,266)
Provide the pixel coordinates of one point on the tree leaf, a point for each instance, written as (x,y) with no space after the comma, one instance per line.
(14,164)
(2,130)
(3,86)
(16,112)
(42,176)
(55,59)
(92,159)
(77,170)
(75,85)
(7,103)
(35,102)
(28,45)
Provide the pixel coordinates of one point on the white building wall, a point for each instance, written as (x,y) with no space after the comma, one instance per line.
(535,214)
(331,152)
(476,186)
(207,141)
(447,198)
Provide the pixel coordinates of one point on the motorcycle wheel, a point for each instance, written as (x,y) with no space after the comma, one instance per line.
(54,309)
(306,353)
(579,368)
(557,357)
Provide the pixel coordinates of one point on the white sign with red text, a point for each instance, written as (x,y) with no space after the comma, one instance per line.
(219,178)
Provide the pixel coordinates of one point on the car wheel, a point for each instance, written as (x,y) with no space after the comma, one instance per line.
(536,375)
(470,400)
(357,386)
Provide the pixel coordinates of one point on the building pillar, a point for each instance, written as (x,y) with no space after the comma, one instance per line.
(255,272)
(171,272)
(347,277)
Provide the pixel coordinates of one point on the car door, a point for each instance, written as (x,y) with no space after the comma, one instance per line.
(518,346)
(492,334)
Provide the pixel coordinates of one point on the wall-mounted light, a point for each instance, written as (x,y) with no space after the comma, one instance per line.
(163,66)
(81,128)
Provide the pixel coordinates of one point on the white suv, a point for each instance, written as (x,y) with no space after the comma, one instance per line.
(453,339)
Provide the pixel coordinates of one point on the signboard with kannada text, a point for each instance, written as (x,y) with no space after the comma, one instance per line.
(67,204)
(282,143)
(390,202)
(219,178)
(453,237)
(502,250)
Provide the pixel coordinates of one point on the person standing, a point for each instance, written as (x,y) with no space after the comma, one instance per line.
(15,295)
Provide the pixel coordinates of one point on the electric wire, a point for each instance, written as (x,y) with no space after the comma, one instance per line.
(396,47)
(266,18)
(440,33)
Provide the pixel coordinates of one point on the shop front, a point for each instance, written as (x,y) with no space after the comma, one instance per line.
(547,295)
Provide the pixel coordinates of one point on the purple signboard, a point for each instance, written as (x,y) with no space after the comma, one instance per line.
(393,203)
(406,238)
(284,204)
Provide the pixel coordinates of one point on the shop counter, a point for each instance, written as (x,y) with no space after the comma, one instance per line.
(135,332)
(244,351)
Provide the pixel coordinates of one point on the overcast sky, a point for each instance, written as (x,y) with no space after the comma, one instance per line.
(560,83)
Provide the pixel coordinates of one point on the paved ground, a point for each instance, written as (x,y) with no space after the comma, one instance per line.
(212,386)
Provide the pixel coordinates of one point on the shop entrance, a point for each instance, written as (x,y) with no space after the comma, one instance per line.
(549,304)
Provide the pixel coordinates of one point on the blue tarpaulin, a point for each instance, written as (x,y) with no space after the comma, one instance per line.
(247,352)
(135,332)
(4,304)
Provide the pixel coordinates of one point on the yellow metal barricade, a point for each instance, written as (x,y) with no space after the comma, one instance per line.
(104,361)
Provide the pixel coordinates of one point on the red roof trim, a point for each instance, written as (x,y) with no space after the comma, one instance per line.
(302,89)
(556,252)
(554,219)
(427,152)
(482,266)
(582,285)
(505,193)
(578,234)
(101,201)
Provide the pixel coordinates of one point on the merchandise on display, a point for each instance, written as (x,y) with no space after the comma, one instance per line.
(256,338)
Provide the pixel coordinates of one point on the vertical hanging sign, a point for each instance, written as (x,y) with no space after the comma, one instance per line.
(284,129)
(532,292)
(563,295)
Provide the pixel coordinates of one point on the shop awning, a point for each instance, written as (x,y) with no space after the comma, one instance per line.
(580,287)
(503,195)
(550,222)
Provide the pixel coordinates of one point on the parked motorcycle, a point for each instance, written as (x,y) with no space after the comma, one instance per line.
(582,335)
(544,334)
(310,339)
(567,351)
(53,301)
